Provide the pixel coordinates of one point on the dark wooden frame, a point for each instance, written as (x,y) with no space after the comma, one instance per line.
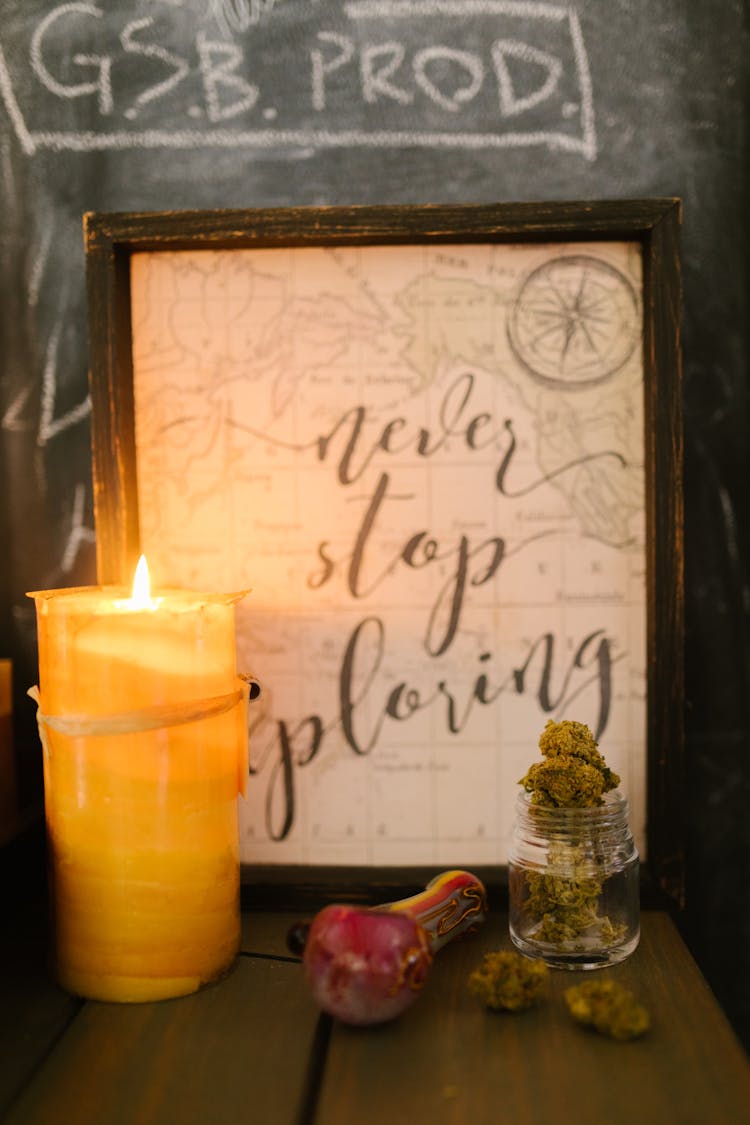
(110,240)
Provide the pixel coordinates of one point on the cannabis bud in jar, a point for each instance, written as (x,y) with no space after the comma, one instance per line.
(573,868)
(573,774)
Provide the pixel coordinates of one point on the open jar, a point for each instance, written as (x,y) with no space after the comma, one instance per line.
(573,883)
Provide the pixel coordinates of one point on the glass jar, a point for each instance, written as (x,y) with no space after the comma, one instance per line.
(573,884)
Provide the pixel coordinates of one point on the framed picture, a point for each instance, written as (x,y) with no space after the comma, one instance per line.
(442,446)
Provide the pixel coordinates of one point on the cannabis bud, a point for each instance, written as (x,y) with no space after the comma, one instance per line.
(573,865)
(507,981)
(573,774)
(608,1007)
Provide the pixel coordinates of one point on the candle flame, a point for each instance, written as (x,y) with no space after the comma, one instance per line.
(141,598)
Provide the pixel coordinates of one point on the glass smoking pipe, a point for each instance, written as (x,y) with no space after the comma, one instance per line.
(366,965)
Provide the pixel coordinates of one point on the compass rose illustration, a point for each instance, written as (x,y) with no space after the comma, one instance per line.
(575,322)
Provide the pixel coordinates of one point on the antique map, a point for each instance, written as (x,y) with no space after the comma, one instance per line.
(426,461)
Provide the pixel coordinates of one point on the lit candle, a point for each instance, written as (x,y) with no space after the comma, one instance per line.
(142,719)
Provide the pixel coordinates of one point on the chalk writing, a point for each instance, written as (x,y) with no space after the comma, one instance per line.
(380,77)
(40,261)
(79,533)
(49,426)
(12,418)
(233,16)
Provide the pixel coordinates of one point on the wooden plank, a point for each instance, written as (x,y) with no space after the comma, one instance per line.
(34,1012)
(239,1047)
(449,1060)
(264,932)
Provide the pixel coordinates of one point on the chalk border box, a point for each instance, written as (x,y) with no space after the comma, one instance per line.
(652,225)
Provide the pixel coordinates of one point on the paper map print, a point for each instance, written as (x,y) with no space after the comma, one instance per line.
(427,462)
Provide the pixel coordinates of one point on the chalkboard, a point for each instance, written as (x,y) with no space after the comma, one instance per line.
(245,103)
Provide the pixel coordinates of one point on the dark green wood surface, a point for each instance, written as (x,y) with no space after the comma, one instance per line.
(34,1012)
(239,1047)
(264,933)
(450,1060)
(254,1048)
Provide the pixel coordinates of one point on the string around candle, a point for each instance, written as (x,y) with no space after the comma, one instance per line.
(146,718)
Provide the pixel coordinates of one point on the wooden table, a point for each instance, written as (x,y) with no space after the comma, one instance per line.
(253,1048)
